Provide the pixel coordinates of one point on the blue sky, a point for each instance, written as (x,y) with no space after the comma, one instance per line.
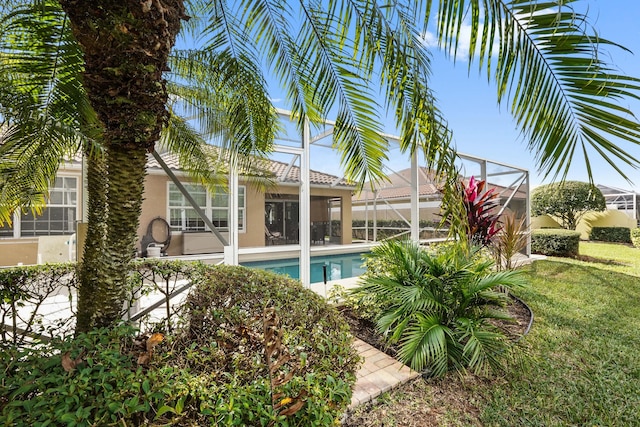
(483,129)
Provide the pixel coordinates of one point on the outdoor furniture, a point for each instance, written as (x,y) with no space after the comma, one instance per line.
(272,237)
(158,235)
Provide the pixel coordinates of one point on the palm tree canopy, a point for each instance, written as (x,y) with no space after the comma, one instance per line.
(356,61)
(47,118)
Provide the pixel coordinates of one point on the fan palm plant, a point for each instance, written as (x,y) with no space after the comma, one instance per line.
(438,306)
(334,58)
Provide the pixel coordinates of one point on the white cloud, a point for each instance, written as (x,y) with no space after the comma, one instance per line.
(461,53)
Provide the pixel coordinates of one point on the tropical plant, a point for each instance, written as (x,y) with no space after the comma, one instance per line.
(438,307)
(482,218)
(470,212)
(567,201)
(511,239)
(330,56)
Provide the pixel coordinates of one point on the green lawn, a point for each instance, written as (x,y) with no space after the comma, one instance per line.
(581,366)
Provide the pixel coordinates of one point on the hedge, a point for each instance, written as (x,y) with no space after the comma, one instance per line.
(555,242)
(611,234)
(635,237)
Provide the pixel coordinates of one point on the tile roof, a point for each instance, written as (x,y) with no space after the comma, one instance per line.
(279,170)
(399,187)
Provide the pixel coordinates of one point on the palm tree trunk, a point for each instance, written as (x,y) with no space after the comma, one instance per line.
(89,271)
(124,203)
(126,44)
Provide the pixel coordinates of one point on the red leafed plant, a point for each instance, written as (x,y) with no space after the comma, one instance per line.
(482,215)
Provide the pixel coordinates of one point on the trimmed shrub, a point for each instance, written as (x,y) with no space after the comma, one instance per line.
(635,237)
(226,333)
(252,349)
(555,242)
(611,234)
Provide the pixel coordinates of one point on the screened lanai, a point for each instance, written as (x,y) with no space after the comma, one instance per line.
(305,219)
(626,201)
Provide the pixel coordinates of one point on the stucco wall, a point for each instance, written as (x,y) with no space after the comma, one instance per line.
(608,218)
(254,234)
(15,251)
(543,221)
(155,204)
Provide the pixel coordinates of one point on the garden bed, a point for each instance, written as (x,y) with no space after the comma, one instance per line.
(430,402)
(366,330)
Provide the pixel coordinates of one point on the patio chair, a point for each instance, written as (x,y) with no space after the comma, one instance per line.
(272,237)
(158,235)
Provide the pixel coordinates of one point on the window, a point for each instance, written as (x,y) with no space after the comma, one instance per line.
(59,216)
(6,230)
(183,217)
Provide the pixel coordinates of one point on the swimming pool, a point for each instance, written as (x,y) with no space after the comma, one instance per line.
(340,266)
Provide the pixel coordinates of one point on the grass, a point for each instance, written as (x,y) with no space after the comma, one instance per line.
(579,364)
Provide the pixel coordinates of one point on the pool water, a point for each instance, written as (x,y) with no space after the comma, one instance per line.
(341,266)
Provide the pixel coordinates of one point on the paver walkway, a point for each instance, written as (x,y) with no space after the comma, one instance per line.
(379,373)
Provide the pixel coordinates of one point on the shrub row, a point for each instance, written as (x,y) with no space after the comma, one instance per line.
(611,234)
(555,242)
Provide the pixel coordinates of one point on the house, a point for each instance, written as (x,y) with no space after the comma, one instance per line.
(265,217)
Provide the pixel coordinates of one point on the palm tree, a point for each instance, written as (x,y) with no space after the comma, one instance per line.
(54,120)
(334,57)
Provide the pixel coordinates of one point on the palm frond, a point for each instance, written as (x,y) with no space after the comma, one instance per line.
(425,345)
(227,96)
(42,103)
(550,69)
(483,347)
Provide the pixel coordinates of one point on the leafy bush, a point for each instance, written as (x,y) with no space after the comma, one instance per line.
(555,242)
(438,306)
(635,237)
(254,348)
(94,379)
(611,234)
(224,333)
(566,201)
